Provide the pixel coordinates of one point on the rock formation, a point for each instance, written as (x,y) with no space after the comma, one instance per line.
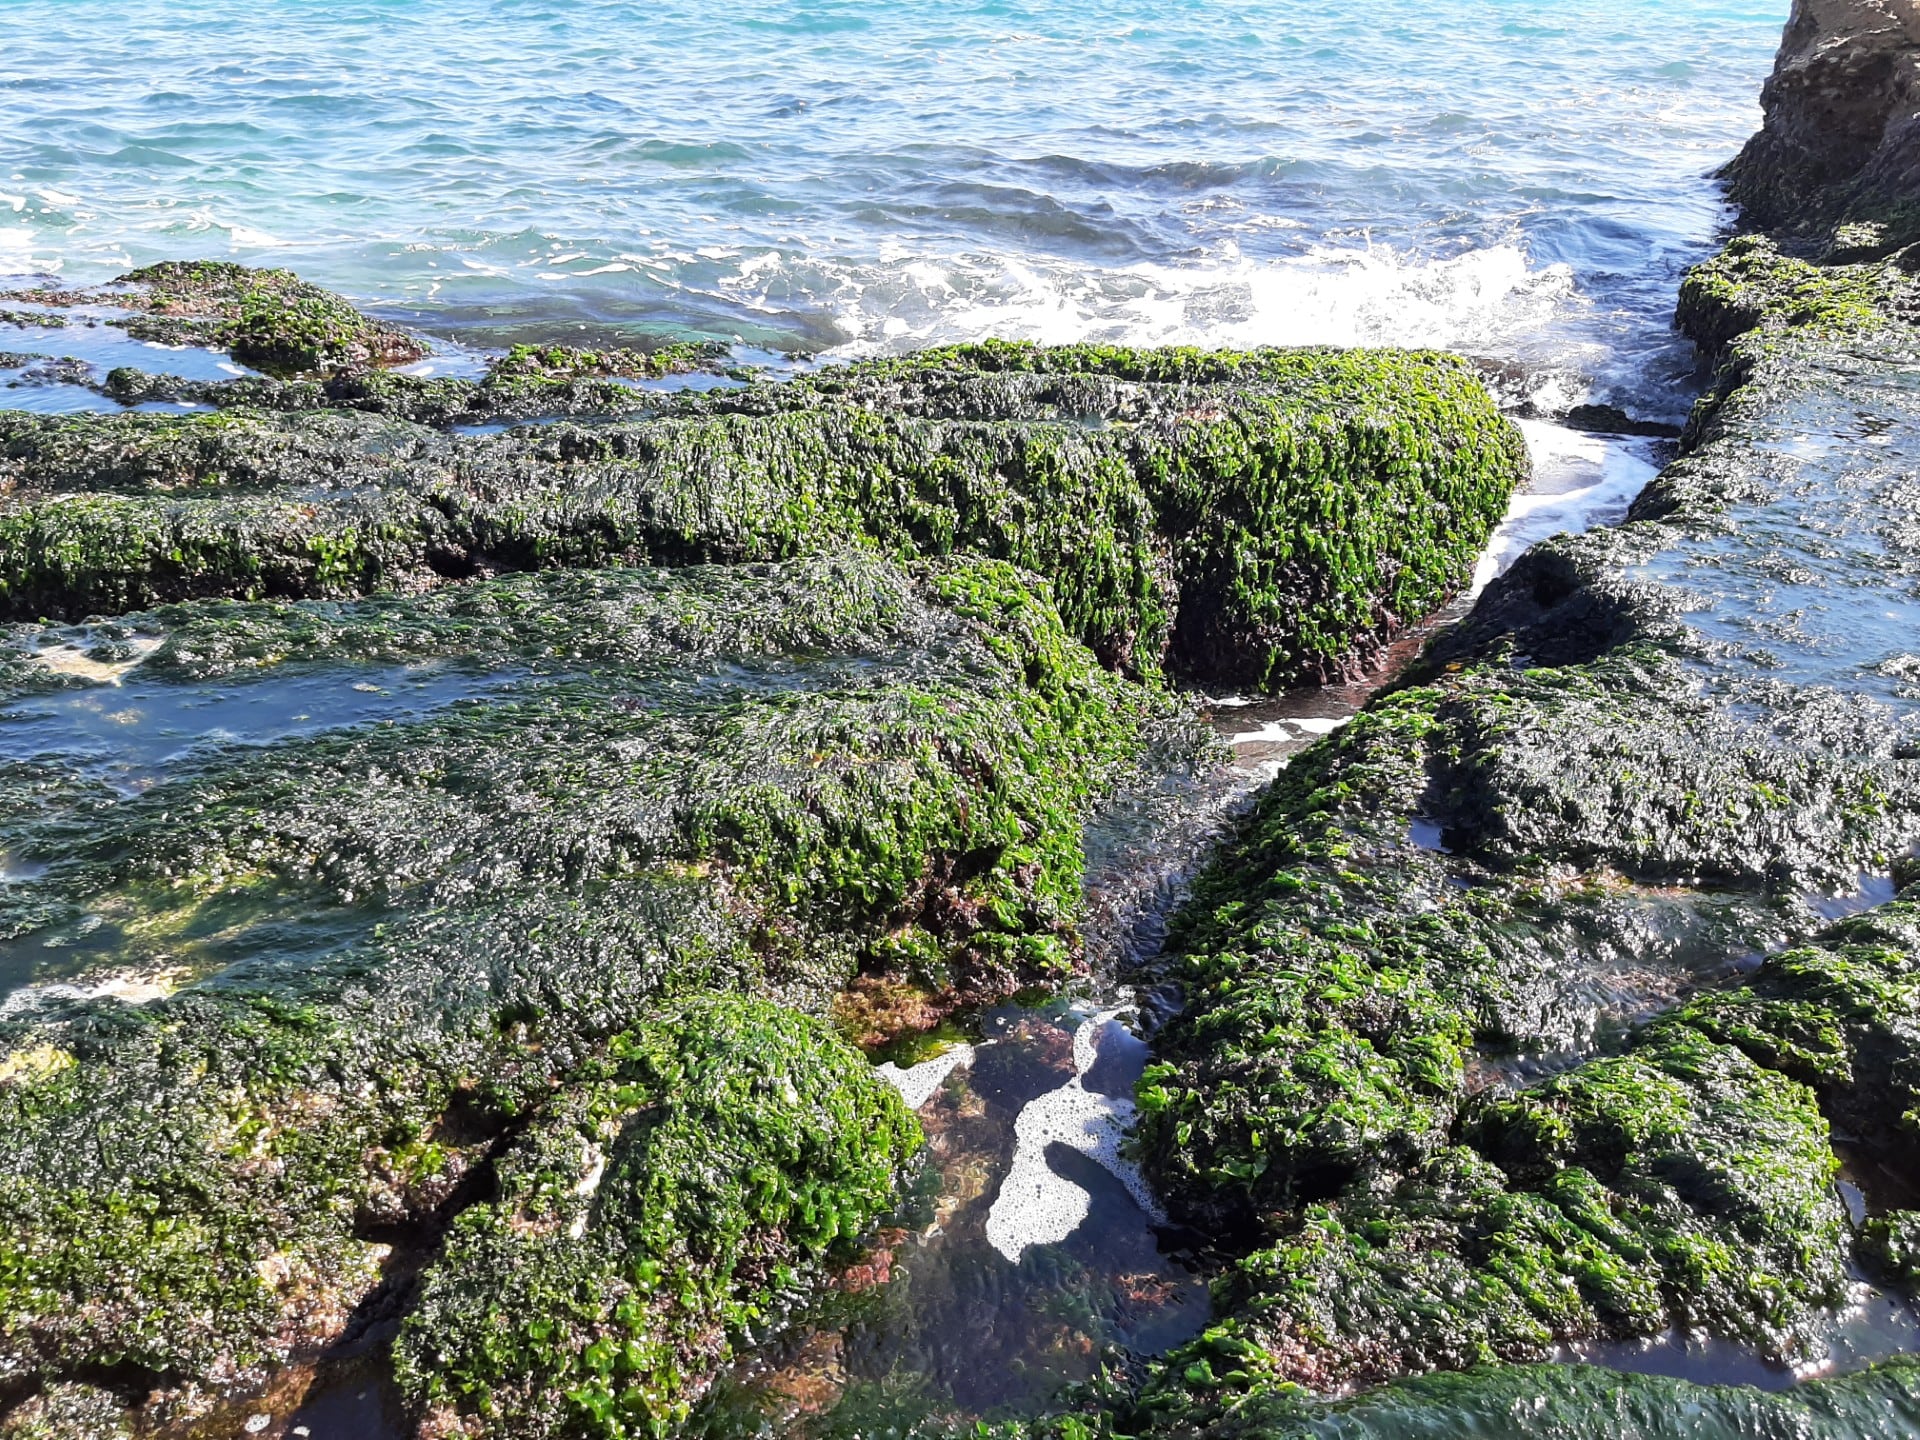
(1841,143)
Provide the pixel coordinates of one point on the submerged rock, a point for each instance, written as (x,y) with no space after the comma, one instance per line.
(269,319)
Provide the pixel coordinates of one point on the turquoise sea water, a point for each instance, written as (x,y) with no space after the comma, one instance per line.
(1518,177)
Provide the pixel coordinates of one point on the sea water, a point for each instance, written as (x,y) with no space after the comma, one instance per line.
(1520,178)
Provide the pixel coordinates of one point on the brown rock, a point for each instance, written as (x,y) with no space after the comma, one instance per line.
(1841,141)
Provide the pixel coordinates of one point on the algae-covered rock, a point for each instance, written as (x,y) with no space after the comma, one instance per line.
(1251,519)
(1407,1088)
(1678,1183)
(68,1412)
(672,1200)
(528,382)
(1542,1402)
(1890,1243)
(1539,1402)
(397,944)
(270,319)
(1843,1016)
(1751,286)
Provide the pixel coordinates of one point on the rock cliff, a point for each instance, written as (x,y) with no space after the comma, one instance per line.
(1839,156)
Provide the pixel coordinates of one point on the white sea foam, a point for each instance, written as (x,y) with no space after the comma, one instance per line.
(1037,1207)
(1280,732)
(1329,296)
(238,235)
(1579,481)
(130,987)
(918,1084)
(18,255)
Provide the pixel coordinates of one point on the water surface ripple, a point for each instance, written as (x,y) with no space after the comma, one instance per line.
(1516,176)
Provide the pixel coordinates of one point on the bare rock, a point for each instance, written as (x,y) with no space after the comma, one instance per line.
(1841,145)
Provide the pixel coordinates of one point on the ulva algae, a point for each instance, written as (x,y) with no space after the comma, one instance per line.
(744,782)
(497,1015)
(671,1200)
(1467,1067)
(1258,518)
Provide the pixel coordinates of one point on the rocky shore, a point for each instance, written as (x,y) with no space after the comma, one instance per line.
(490,1015)
(561,800)
(1517,1013)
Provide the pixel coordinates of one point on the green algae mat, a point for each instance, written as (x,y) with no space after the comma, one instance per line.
(432,858)
(1249,519)
(1534,1011)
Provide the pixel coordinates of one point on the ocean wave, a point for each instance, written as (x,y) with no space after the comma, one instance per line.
(1482,299)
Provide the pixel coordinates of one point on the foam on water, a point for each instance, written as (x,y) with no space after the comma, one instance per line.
(1580,481)
(1037,1205)
(918,1084)
(1334,295)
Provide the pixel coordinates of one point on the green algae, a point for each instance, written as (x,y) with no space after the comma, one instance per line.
(1890,1244)
(1752,285)
(673,1200)
(1839,1015)
(1378,1098)
(1677,1183)
(704,805)
(566,362)
(269,319)
(68,1412)
(1547,1401)
(1313,1097)
(527,383)
(1557,1402)
(1266,519)
(1752,299)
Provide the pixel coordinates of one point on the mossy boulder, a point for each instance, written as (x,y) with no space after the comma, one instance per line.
(1678,1184)
(1418,1086)
(1841,1015)
(269,319)
(675,1198)
(1247,519)
(1752,286)
(400,949)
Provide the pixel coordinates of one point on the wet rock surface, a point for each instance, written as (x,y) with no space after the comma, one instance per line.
(1561,1002)
(1677,743)
(1535,1008)
(442,871)
(1253,520)
(388,944)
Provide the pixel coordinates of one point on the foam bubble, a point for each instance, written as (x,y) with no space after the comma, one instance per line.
(237,234)
(1282,731)
(1332,295)
(920,1083)
(1037,1207)
(1579,481)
